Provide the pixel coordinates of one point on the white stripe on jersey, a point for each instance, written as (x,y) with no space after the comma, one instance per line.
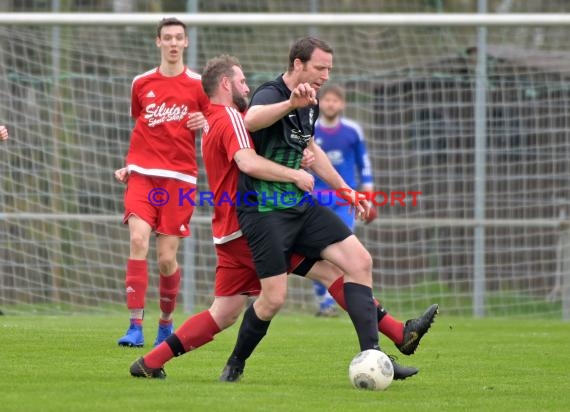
(162,173)
(352,124)
(193,75)
(239,127)
(227,238)
(138,76)
(147,73)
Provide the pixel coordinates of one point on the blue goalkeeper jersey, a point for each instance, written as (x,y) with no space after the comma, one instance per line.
(345,147)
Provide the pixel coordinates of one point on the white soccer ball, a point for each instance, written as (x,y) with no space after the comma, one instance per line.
(371,369)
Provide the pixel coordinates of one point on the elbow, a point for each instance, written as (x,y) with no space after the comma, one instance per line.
(250,125)
(247,167)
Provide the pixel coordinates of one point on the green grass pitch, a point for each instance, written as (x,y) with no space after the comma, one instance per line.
(72,363)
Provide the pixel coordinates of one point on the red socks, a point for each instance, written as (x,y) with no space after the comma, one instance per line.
(392,328)
(195,332)
(337,292)
(136,283)
(168,288)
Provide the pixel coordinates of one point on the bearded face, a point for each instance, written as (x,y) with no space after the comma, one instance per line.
(239,99)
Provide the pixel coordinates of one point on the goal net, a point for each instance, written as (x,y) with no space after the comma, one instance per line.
(65,93)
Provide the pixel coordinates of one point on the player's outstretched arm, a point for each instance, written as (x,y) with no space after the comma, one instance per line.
(264,115)
(250,163)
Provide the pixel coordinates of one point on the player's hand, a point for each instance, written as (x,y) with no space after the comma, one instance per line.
(196,120)
(3,132)
(360,206)
(303,95)
(122,175)
(372,215)
(305,181)
(308,159)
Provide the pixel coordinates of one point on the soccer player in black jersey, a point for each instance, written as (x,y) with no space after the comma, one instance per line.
(278,219)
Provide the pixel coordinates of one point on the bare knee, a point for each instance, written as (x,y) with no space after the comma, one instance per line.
(276,302)
(139,244)
(167,264)
(365,262)
(325,272)
(361,268)
(268,304)
(228,319)
(226,310)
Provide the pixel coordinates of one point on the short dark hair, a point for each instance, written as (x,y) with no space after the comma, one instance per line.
(303,48)
(169,21)
(215,69)
(333,88)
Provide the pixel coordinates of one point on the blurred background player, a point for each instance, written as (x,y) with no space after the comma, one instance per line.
(343,142)
(166,103)
(3,132)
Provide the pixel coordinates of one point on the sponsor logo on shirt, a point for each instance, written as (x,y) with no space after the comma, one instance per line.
(336,157)
(158,114)
(297,135)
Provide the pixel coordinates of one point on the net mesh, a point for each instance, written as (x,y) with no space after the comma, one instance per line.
(65,94)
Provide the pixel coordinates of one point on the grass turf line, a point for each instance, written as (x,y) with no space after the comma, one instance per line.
(72,363)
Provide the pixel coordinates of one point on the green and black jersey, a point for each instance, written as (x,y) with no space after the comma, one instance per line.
(283,142)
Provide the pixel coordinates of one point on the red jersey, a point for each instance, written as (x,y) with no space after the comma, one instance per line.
(223,136)
(161,144)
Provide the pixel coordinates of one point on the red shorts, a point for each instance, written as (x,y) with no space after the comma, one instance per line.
(235,272)
(156,201)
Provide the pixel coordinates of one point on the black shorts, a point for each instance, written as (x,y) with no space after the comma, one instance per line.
(274,236)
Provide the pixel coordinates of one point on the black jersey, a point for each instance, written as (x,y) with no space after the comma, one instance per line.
(283,142)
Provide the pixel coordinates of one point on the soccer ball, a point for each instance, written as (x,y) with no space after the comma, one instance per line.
(372,370)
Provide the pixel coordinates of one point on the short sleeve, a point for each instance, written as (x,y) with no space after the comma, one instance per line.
(135,103)
(267,94)
(235,136)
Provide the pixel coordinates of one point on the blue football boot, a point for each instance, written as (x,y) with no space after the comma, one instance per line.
(133,338)
(164,331)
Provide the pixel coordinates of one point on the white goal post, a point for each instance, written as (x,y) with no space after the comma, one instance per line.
(469,109)
(293,19)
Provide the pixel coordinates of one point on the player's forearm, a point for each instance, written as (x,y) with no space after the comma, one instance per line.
(259,117)
(273,172)
(324,168)
(261,168)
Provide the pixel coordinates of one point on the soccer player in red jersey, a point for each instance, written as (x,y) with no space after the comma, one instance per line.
(167,104)
(227,149)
